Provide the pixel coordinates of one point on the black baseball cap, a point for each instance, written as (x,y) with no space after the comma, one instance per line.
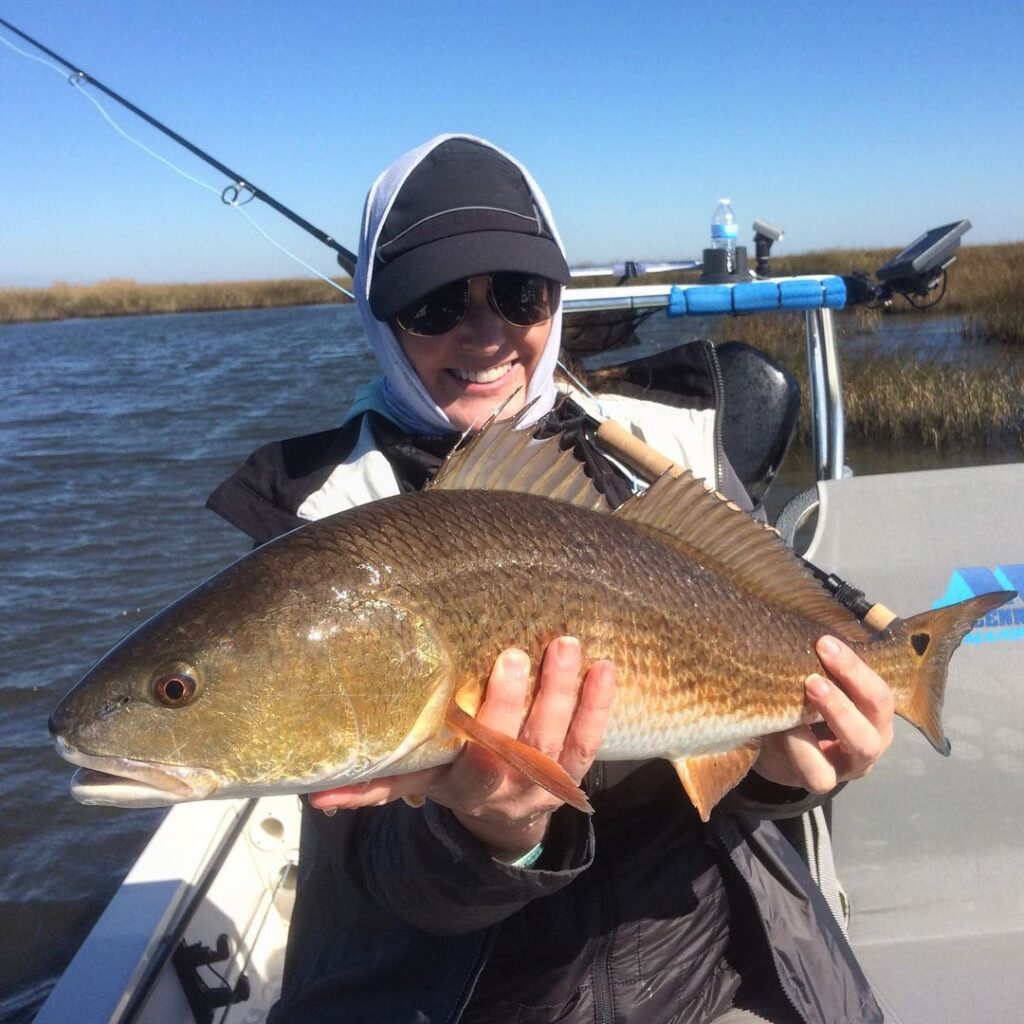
(464,210)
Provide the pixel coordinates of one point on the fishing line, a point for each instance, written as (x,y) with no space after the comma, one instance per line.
(30,56)
(301,262)
(236,195)
(77,83)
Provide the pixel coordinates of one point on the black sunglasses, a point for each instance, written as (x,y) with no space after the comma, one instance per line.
(522,300)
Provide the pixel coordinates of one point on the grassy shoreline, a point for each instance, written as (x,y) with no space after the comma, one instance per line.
(126,297)
(905,400)
(891,399)
(986,286)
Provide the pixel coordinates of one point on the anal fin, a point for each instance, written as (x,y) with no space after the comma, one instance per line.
(708,777)
(536,766)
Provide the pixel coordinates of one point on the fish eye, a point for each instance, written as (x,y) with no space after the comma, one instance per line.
(175,689)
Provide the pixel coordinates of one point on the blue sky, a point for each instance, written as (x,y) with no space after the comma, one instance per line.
(846,124)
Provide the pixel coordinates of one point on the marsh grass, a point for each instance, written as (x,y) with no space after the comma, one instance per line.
(995,284)
(985,285)
(896,398)
(935,405)
(904,398)
(125,297)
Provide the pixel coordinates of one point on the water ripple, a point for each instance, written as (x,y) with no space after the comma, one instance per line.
(112,433)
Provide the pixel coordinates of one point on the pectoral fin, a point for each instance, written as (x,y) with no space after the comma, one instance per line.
(708,777)
(531,762)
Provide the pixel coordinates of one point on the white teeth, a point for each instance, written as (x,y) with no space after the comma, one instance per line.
(483,376)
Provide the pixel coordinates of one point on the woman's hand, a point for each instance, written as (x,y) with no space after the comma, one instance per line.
(856,706)
(502,808)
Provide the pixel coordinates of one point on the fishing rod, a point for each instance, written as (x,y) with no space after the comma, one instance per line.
(232,193)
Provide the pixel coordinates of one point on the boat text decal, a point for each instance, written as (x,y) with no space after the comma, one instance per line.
(1006,623)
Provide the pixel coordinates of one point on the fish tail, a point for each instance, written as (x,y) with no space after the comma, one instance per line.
(932,637)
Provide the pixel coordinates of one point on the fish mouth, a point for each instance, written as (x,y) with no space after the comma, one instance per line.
(109,781)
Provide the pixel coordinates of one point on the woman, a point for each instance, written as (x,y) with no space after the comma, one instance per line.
(491,901)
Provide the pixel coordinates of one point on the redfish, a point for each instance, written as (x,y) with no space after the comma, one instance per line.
(359,646)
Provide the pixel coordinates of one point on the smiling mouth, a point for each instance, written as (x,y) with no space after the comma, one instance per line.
(488,376)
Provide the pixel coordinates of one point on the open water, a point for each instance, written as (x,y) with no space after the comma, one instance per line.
(112,433)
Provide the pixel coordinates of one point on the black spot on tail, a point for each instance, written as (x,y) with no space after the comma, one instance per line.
(934,636)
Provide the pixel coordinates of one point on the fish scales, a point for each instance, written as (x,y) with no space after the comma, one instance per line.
(494,570)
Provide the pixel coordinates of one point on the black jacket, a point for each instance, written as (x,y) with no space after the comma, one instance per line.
(640,914)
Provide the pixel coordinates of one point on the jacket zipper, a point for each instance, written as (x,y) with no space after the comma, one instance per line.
(483,951)
(718,387)
(600,974)
(775,965)
(783,987)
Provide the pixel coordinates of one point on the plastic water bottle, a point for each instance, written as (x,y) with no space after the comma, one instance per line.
(724,232)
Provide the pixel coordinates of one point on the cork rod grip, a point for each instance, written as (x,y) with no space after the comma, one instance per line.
(638,455)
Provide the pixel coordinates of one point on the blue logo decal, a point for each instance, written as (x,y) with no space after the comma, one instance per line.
(1006,623)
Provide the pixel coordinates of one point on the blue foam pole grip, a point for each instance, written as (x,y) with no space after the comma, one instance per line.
(801,295)
(757,296)
(677,301)
(707,299)
(835,292)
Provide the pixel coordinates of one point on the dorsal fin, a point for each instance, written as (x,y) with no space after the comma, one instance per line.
(503,458)
(685,512)
(704,525)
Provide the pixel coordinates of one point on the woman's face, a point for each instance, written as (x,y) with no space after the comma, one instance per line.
(479,363)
